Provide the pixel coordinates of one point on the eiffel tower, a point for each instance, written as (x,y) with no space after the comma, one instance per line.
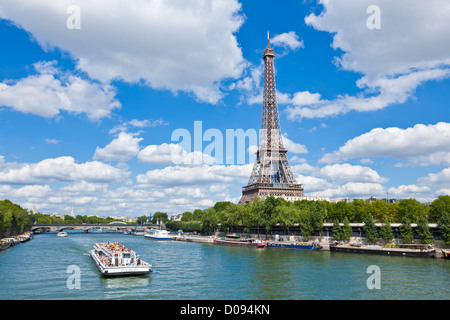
(271,174)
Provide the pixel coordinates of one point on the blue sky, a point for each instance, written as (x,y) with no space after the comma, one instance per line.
(87,110)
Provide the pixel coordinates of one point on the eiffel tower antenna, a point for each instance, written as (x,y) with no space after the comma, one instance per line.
(271,174)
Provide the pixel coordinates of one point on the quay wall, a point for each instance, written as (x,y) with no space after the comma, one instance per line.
(203,239)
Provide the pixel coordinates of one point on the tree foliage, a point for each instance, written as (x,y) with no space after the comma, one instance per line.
(406,231)
(444,225)
(370,229)
(424,231)
(386,231)
(13,217)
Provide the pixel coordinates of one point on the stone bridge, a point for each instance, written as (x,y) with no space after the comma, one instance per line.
(85,227)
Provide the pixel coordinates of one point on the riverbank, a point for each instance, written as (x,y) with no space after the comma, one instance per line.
(325,246)
(190,238)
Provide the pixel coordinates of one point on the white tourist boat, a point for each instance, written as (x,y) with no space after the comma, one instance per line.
(157,234)
(114,259)
(61,234)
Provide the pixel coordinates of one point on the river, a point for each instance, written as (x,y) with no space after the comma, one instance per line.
(40,269)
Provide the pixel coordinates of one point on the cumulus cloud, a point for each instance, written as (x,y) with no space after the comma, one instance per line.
(173,154)
(409,191)
(47,94)
(418,145)
(292,146)
(181,175)
(122,148)
(347,172)
(62,169)
(174,45)
(391,72)
(288,40)
(437,179)
(355,190)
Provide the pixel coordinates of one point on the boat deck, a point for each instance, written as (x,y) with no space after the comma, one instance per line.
(114,259)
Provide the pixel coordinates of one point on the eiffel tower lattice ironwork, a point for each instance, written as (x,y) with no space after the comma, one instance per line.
(271,174)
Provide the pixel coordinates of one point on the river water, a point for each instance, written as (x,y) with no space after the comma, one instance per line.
(40,269)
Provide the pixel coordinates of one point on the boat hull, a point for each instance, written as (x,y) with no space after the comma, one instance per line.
(5,246)
(157,238)
(294,246)
(386,251)
(446,254)
(240,243)
(120,271)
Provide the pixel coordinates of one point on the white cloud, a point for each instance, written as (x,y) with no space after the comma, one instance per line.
(51,141)
(409,191)
(390,91)
(292,146)
(418,145)
(441,192)
(287,40)
(137,124)
(170,154)
(437,179)
(46,95)
(181,175)
(32,191)
(394,60)
(313,184)
(305,98)
(401,45)
(122,148)
(355,190)
(174,45)
(346,172)
(60,169)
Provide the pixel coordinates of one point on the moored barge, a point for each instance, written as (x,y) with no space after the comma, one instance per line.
(114,259)
(236,240)
(295,245)
(421,251)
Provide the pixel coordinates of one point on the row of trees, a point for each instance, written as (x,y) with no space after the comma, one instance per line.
(41,218)
(310,216)
(13,218)
(344,232)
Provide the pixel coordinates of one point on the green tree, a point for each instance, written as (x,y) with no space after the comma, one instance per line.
(370,229)
(337,230)
(346,230)
(235,215)
(256,211)
(378,210)
(386,231)
(69,219)
(221,206)
(187,216)
(266,221)
(209,220)
(340,210)
(406,231)
(304,222)
(438,207)
(444,226)
(411,209)
(285,215)
(359,210)
(424,231)
(141,219)
(197,215)
(316,215)
(159,216)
